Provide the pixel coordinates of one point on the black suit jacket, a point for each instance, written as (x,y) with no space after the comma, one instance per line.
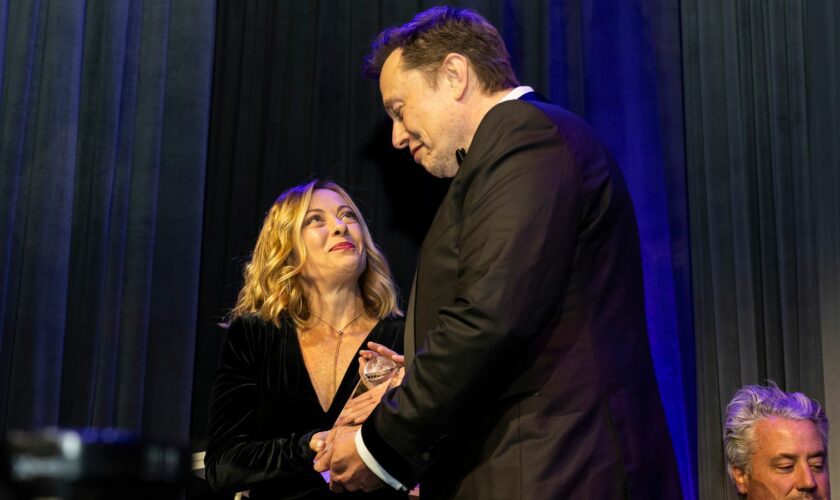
(533,376)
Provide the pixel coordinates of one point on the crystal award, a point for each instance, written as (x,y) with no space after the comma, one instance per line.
(375,378)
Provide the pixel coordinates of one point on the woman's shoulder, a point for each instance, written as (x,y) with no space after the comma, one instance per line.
(388,331)
(252,325)
(393,322)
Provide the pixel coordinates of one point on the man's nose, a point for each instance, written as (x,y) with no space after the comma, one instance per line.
(399,135)
(805,480)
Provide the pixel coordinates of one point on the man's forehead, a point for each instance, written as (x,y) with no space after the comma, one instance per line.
(782,436)
(389,75)
(392,62)
(397,84)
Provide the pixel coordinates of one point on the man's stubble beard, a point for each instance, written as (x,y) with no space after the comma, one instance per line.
(442,162)
(441,167)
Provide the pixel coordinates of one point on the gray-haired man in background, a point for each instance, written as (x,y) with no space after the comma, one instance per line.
(776,444)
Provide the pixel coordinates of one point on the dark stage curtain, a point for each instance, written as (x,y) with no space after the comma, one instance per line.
(289,103)
(104,110)
(762,100)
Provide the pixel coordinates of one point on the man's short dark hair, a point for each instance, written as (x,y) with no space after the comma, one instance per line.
(432,34)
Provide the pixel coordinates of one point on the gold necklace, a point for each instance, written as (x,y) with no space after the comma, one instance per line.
(340,332)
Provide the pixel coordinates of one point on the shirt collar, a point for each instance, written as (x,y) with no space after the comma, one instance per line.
(516,93)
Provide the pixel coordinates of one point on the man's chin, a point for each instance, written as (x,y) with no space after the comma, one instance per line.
(440,170)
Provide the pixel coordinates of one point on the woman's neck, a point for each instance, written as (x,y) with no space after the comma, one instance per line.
(336,306)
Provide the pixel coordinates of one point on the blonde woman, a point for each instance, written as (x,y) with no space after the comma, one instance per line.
(316,291)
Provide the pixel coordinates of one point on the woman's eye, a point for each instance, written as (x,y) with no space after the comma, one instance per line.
(312,219)
(349,215)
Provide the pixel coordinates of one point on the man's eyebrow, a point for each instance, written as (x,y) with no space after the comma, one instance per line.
(389,106)
(793,456)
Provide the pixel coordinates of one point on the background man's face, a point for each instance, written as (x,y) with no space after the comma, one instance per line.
(789,461)
(424,117)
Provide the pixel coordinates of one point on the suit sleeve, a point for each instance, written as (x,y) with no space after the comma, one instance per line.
(235,459)
(520,216)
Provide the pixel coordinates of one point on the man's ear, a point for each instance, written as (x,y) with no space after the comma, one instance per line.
(741,479)
(455,75)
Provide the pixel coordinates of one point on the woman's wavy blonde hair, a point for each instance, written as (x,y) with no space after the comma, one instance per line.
(273,276)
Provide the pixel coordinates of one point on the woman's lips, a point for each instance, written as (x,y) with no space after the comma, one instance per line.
(346,245)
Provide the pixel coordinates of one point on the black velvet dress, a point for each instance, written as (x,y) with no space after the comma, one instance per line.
(264,410)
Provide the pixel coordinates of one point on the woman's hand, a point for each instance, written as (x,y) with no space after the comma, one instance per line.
(358,409)
(318,441)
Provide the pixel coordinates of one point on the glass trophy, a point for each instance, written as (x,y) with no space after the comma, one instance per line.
(376,376)
(378,370)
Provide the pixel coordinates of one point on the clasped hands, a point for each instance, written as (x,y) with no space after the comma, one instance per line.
(336,449)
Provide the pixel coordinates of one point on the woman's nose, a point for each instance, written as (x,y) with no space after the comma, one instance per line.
(339,227)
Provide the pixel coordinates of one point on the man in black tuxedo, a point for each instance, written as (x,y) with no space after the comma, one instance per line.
(529,373)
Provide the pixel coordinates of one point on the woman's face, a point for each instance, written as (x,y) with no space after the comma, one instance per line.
(333,239)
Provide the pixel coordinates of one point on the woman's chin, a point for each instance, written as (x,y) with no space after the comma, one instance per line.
(340,275)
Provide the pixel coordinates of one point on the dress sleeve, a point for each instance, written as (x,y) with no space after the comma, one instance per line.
(235,459)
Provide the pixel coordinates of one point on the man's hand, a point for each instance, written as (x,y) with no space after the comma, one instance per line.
(322,444)
(347,470)
(375,349)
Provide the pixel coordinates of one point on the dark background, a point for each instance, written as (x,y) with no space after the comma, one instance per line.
(141,143)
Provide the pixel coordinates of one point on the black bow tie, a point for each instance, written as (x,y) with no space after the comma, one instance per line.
(460,153)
